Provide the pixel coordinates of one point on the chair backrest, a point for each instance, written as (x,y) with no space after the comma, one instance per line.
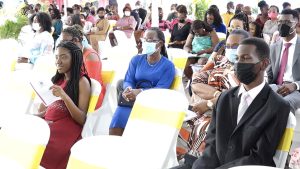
(177,82)
(95,91)
(167,36)
(112,23)
(98,122)
(153,126)
(151,131)
(87,153)
(221,36)
(296,139)
(178,57)
(285,142)
(23,139)
(252,167)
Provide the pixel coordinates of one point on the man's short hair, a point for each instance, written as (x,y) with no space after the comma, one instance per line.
(240,32)
(290,12)
(100,9)
(262,48)
(285,4)
(70,10)
(86,9)
(229,3)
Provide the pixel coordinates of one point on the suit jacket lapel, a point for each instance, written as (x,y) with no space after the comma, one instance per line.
(257,103)
(278,47)
(297,51)
(234,107)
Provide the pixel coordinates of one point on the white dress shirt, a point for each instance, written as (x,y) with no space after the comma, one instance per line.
(252,94)
(288,74)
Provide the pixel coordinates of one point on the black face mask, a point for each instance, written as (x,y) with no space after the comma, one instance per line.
(160,18)
(181,20)
(101,17)
(284,30)
(245,72)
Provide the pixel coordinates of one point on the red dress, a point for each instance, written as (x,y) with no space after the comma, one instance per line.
(94,69)
(64,133)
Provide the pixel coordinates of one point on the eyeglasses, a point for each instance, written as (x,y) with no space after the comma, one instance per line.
(287,22)
(150,40)
(231,47)
(230,29)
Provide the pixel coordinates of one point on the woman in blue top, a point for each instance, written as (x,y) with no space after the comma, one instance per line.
(148,70)
(213,18)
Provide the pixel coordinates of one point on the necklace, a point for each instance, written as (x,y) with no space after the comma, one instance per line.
(152,65)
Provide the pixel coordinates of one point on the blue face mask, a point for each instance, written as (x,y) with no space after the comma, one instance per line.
(149,48)
(231,55)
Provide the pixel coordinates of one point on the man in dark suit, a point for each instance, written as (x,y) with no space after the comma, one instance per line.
(285,62)
(248,121)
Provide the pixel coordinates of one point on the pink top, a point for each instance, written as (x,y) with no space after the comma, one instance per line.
(174,21)
(127,21)
(163,25)
(91,18)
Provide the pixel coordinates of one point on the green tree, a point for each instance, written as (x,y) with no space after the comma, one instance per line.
(200,7)
(12,27)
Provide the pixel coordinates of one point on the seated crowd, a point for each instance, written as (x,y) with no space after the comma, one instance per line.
(240,77)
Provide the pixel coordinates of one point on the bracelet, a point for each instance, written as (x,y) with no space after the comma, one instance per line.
(216,92)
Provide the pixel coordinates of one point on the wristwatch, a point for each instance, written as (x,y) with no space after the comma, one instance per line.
(210,104)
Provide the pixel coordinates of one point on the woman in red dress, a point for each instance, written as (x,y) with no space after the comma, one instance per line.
(91,58)
(67,116)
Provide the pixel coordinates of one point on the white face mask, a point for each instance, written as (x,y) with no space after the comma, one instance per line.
(231,10)
(231,55)
(36,26)
(127,13)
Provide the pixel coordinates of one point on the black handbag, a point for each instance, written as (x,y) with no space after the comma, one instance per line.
(129,103)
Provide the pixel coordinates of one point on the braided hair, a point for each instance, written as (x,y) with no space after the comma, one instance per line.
(75,31)
(72,87)
(161,37)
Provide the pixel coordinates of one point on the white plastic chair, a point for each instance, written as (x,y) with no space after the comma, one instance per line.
(98,120)
(221,36)
(150,134)
(252,167)
(285,142)
(296,139)
(178,57)
(177,82)
(95,91)
(23,140)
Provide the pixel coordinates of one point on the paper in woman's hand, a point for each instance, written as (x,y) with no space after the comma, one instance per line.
(189,114)
(42,89)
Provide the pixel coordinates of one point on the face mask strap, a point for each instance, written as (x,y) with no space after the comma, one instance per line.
(293,28)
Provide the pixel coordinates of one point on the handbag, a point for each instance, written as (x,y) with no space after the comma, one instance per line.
(129,103)
(112,39)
